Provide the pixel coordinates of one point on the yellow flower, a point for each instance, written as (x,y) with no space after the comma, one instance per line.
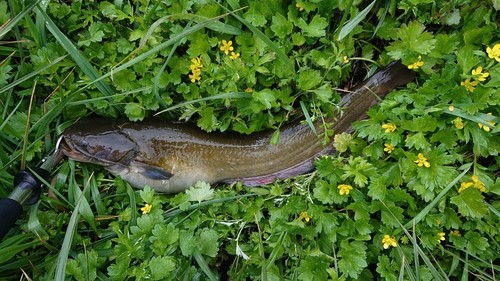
(464,186)
(248,90)
(416,64)
(299,7)
(486,128)
(345,59)
(455,233)
(196,63)
(451,108)
(389,148)
(196,75)
(479,72)
(478,183)
(234,55)
(344,189)
(389,127)
(459,124)
(146,209)
(469,85)
(305,216)
(195,67)
(494,53)
(422,161)
(441,236)
(389,241)
(226,46)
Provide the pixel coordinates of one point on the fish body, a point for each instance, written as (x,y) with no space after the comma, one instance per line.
(172,156)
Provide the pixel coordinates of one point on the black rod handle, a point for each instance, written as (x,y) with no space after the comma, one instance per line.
(10,211)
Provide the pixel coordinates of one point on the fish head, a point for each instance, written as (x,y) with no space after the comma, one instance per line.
(103,147)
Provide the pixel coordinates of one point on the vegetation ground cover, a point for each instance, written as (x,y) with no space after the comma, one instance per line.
(411,194)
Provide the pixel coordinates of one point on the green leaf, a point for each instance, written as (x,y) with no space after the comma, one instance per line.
(349,26)
(417,141)
(207,121)
(359,169)
(308,79)
(161,267)
(164,234)
(281,26)
(265,97)
(200,192)
(147,194)
(378,188)
(208,243)
(120,269)
(352,258)
(314,267)
(188,243)
(74,269)
(324,92)
(385,268)
(470,202)
(425,123)
(95,35)
(124,46)
(316,28)
(466,59)
(412,38)
(4,74)
(476,243)
(134,111)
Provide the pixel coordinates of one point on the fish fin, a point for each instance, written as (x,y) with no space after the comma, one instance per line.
(152,172)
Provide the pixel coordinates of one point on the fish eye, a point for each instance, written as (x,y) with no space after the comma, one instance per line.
(84,144)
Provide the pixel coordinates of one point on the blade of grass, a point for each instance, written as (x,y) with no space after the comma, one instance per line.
(34,224)
(162,69)
(40,23)
(277,248)
(231,95)
(14,245)
(350,25)
(4,29)
(416,260)
(215,26)
(263,271)
(26,129)
(62,258)
(77,194)
(204,266)
(478,117)
(419,250)
(308,117)
(382,18)
(133,206)
(175,211)
(95,194)
(420,216)
(79,59)
(31,75)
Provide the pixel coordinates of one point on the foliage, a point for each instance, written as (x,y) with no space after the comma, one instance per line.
(412,194)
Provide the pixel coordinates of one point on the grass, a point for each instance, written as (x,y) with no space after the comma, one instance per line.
(117,59)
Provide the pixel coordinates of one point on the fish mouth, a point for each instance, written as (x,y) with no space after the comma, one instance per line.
(71,151)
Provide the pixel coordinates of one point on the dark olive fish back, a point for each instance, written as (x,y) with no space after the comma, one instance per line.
(171,156)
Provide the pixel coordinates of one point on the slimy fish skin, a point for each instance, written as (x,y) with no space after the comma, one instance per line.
(172,156)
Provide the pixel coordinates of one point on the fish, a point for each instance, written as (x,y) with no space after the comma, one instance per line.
(172,156)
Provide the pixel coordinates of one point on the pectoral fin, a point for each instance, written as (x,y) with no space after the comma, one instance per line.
(156,173)
(151,172)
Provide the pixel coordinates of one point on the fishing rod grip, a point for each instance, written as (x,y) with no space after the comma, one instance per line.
(27,190)
(10,211)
